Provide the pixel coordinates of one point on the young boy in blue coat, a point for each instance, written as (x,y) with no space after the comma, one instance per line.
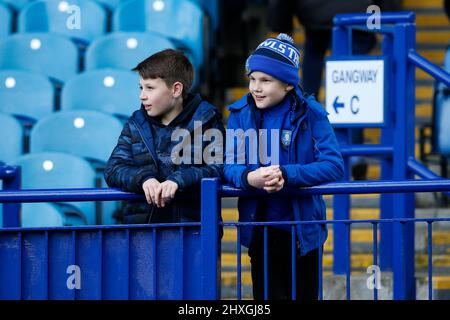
(303,153)
(149,157)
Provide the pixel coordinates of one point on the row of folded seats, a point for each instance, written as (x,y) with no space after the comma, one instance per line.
(67,150)
(140,27)
(66,88)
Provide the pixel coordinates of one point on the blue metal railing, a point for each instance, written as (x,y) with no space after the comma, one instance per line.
(207,246)
(211,188)
(396,148)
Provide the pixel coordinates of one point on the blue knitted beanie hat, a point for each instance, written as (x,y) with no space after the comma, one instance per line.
(277,57)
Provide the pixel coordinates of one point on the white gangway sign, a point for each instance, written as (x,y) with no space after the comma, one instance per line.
(355,92)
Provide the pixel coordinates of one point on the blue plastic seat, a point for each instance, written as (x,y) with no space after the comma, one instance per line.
(52,55)
(441,114)
(16,88)
(38,215)
(110,4)
(116,92)
(81,20)
(84,133)
(5,21)
(51,170)
(211,7)
(180,20)
(17,5)
(11,144)
(124,50)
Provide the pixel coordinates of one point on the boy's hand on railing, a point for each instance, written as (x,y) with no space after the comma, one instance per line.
(266,177)
(274,185)
(168,190)
(152,190)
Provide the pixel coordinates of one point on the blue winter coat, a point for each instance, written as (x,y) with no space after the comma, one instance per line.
(314,158)
(134,160)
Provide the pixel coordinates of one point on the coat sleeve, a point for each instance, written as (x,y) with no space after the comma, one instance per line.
(234,173)
(189,176)
(328,165)
(121,171)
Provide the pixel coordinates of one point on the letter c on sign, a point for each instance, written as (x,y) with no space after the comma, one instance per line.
(355,109)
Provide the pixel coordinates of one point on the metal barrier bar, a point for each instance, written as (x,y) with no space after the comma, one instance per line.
(320,269)
(266,267)
(360,187)
(349,260)
(239,265)
(367,150)
(375,259)
(352,19)
(154,260)
(11,177)
(430,260)
(210,210)
(281,223)
(293,264)
(181,265)
(429,67)
(423,172)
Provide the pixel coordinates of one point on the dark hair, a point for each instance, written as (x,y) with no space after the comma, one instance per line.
(169,65)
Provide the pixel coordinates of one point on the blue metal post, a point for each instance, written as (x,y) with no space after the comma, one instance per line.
(387,133)
(11,211)
(403,138)
(210,210)
(341,203)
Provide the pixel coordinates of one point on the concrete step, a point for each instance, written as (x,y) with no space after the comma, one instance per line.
(421,4)
(432,19)
(334,287)
(359,261)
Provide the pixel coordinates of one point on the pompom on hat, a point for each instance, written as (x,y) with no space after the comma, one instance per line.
(277,57)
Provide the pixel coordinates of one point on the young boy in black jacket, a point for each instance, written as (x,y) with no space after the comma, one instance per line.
(149,157)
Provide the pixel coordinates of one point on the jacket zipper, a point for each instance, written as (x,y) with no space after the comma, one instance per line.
(145,142)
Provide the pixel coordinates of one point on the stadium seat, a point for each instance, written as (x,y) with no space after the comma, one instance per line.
(11,144)
(124,50)
(17,5)
(180,20)
(52,55)
(51,170)
(38,215)
(5,21)
(81,20)
(441,114)
(16,89)
(211,7)
(84,133)
(115,92)
(110,4)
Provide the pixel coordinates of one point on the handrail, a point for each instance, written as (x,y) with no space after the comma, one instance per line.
(361,19)
(367,150)
(366,187)
(429,67)
(105,194)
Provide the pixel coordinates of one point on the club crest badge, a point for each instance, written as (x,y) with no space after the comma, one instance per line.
(286,138)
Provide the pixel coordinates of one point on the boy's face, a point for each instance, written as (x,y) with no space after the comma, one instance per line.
(156,97)
(267,90)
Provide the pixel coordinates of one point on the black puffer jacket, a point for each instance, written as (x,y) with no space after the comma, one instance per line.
(141,153)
